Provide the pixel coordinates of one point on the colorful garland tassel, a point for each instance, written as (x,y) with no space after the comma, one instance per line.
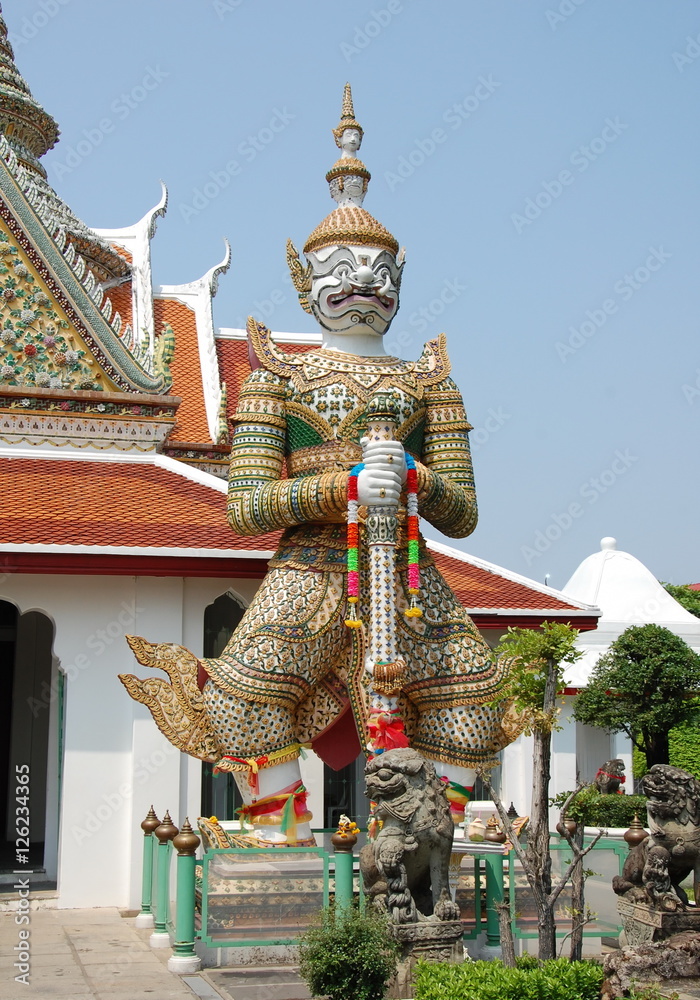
(413,611)
(353,620)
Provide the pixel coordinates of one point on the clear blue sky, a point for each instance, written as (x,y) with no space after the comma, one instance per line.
(539,161)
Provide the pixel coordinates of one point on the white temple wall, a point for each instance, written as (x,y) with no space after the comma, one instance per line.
(516,775)
(577,753)
(563,755)
(594,747)
(622,748)
(115,762)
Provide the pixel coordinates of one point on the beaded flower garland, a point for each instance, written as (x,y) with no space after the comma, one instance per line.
(353,542)
(412,530)
(353,621)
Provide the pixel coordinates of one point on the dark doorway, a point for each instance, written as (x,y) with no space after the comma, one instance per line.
(26,643)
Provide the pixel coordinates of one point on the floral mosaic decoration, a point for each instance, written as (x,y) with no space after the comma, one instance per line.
(33,350)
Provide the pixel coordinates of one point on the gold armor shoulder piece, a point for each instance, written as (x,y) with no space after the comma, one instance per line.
(433,365)
(268,354)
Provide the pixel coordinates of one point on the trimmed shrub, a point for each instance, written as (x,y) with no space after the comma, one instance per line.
(684,747)
(348,954)
(593,809)
(558,979)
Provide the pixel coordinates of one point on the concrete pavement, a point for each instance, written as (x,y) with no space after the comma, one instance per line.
(82,955)
(99,955)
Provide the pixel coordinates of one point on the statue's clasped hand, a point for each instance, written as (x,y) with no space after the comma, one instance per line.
(381,481)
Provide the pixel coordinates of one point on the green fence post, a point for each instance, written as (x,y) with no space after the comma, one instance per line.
(164,834)
(184,960)
(145,917)
(494,895)
(343,841)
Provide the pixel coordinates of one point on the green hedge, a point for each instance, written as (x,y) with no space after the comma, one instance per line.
(555,980)
(593,809)
(683,750)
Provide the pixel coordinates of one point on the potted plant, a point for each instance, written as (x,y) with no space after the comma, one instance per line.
(348,955)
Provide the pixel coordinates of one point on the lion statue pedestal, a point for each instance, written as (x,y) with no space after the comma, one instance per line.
(661,938)
(405,869)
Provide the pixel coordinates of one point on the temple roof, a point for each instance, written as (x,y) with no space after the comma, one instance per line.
(51,265)
(485,588)
(66,500)
(31,132)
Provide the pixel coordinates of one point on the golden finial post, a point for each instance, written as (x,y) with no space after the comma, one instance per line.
(184,959)
(347,119)
(145,917)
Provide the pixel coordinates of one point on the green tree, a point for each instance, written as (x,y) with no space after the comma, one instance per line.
(647,683)
(685,595)
(536,675)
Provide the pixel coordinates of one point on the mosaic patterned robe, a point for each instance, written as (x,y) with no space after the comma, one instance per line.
(281,679)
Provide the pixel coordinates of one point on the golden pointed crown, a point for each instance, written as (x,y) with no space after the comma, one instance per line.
(347,117)
(349,223)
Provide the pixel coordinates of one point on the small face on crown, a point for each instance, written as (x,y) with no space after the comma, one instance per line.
(350,141)
(354,289)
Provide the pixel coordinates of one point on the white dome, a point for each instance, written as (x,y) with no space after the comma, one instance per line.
(625,590)
(628,594)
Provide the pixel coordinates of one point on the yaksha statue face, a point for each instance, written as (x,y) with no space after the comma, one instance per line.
(354,289)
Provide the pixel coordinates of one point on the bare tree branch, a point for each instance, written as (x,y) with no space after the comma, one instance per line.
(589,916)
(512,835)
(579,855)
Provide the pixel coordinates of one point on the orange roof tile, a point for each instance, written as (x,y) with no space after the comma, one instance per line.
(123,252)
(135,504)
(476,587)
(234,366)
(191,425)
(120,297)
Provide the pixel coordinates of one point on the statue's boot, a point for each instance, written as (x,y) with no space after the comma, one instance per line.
(177,706)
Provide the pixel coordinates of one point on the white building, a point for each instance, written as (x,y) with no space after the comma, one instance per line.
(627,594)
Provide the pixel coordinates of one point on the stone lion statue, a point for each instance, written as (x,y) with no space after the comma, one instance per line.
(673,818)
(610,776)
(405,870)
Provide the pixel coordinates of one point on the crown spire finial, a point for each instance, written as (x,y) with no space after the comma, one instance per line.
(348,177)
(348,123)
(348,111)
(349,224)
